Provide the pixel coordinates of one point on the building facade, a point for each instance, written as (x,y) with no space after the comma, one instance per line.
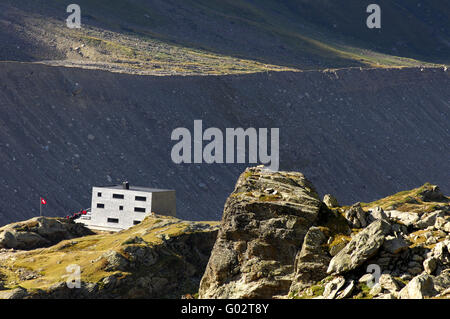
(119,207)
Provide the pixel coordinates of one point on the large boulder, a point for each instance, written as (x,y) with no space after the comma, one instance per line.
(419,287)
(312,261)
(376,213)
(362,247)
(389,283)
(40,232)
(263,226)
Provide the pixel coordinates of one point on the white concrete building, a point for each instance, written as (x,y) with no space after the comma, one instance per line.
(119,207)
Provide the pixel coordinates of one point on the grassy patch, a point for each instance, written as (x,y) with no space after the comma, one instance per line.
(408,201)
(50,263)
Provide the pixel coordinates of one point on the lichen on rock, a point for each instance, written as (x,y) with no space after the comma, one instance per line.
(258,241)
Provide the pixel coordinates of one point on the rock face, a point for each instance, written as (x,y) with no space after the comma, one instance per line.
(312,260)
(263,226)
(363,246)
(40,232)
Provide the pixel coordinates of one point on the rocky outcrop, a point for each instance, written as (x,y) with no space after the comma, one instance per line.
(418,288)
(334,249)
(362,247)
(40,232)
(162,257)
(311,261)
(356,216)
(376,213)
(330,201)
(263,226)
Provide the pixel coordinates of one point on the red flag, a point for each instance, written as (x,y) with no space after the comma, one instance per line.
(43,201)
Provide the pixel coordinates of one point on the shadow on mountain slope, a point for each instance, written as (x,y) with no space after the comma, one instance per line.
(300,34)
(357,134)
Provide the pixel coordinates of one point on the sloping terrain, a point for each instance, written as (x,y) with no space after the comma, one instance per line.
(219,37)
(278,240)
(357,134)
(165,257)
(162,257)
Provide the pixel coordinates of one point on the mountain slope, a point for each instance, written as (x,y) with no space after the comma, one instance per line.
(357,134)
(146,36)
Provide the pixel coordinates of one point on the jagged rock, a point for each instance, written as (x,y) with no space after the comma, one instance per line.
(260,235)
(139,265)
(40,232)
(376,213)
(390,284)
(330,201)
(332,288)
(405,218)
(429,265)
(428,219)
(419,287)
(312,261)
(356,216)
(347,291)
(366,279)
(445,294)
(442,282)
(363,246)
(441,252)
(376,289)
(442,224)
(395,245)
(446,227)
